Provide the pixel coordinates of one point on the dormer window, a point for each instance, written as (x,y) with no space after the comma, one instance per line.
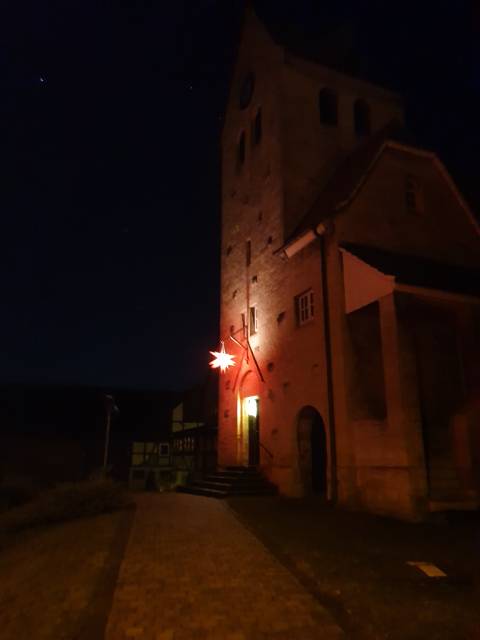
(413,195)
(328,107)
(361,118)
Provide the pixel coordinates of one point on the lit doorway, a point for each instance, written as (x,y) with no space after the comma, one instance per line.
(251,430)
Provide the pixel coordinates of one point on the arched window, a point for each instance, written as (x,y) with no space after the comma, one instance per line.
(361,117)
(241,151)
(328,106)
(257,127)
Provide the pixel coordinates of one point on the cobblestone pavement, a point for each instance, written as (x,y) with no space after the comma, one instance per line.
(191,571)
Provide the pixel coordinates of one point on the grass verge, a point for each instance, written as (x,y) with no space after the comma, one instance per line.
(66,502)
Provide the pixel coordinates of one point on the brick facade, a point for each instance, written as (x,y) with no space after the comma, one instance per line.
(357,372)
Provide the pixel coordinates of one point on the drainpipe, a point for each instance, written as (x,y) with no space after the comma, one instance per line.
(288,251)
(320,231)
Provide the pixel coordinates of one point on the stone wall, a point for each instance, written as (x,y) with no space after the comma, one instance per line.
(376,437)
(312,149)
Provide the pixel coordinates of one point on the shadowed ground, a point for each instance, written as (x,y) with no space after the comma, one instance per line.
(356,564)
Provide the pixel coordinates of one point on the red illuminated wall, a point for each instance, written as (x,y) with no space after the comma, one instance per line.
(380,461)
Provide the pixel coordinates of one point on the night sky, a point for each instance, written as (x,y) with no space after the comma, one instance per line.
(109,192)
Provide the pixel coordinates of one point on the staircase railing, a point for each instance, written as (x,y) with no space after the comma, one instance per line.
(265,449)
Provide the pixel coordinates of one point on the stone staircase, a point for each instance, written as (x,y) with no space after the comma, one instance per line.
(231,481)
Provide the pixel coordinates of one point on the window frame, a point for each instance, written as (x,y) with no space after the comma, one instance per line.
(414,202)
(305,313)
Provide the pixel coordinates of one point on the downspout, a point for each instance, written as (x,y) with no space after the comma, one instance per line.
(288,251)
(320,230)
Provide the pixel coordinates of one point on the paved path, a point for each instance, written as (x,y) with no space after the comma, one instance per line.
(191,571)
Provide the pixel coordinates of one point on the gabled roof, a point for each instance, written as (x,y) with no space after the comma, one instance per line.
(349,174)
(352,172)
(419,272)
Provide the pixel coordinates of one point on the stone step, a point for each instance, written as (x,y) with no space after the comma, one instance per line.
(201,491)
(237,474)
(213,484)
(257,482)
(220,477)
(233,481)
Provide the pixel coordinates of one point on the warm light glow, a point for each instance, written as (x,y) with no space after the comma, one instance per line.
(251,406)
(222,360)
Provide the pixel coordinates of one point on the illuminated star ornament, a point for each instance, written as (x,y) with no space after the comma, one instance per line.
(222,360)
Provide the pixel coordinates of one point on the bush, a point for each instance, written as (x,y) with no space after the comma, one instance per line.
(67,502)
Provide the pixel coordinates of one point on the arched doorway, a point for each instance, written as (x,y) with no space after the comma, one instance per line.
(312,451)
(249,421)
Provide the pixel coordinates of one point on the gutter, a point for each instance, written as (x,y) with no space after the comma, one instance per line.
(302,241)
(436,293)
(329,360)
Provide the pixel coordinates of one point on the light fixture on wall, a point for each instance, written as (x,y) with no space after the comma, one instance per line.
(222,360)
(251,406)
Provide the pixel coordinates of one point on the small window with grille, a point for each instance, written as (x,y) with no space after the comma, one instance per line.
(253,321)
(413,195)
(304,307)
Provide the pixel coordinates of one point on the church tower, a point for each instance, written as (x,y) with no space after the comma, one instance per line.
(289,122)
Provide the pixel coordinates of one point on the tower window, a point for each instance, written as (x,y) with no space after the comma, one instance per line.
(257,127)
(361,117)
(253,321)
(304,307)
(413,195)
(328,107)
(241,151)
(248,252)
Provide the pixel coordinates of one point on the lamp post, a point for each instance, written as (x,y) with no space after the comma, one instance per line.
(109,406)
